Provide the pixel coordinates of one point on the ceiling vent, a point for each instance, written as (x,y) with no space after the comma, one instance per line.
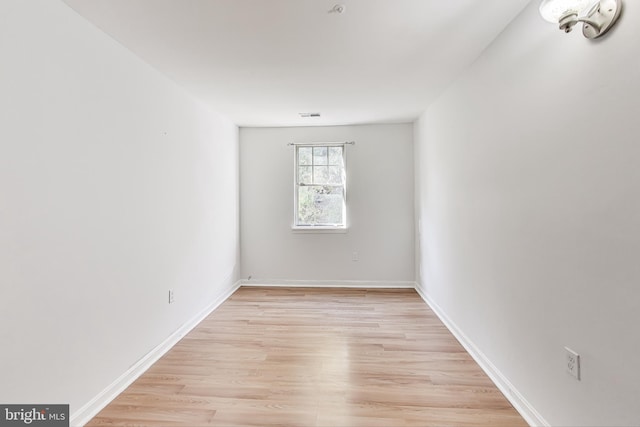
(305,115)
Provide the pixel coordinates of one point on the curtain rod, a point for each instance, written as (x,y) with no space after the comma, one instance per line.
(322,143)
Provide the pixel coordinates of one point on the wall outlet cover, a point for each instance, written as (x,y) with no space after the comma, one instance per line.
(572,363)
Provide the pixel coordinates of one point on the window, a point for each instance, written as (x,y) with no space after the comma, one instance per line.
(320,186)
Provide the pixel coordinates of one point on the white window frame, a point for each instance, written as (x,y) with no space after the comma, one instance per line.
(324,228)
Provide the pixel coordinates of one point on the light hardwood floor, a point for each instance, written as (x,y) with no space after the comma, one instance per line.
(315,357)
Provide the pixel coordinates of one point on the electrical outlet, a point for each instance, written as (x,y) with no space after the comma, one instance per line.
(572,362)
(170,296)
(354,256)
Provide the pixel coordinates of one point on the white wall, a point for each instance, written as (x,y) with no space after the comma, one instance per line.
(114,187)
(379,207)
(529,199)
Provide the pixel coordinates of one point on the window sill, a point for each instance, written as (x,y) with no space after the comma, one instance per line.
(319,229)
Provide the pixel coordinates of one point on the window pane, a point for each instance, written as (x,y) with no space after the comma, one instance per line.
(321,178)
(304,155)
(335,175)
(320,205)
(320,174)
(331,208)
(335,156)
(307,210)
(320,155)
(305,175)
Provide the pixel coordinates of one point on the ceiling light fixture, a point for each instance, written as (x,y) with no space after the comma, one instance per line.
(597,16)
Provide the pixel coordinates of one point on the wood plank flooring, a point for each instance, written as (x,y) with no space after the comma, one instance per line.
(315,357)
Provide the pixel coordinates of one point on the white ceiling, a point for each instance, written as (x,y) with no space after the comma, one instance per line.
(261,62)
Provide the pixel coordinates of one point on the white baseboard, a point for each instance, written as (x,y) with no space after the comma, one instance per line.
(87,412)
(528,412)
(329,283)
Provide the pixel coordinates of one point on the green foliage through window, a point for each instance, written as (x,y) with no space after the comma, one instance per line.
(320,185)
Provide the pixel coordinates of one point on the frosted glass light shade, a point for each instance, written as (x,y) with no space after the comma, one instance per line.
(552,10)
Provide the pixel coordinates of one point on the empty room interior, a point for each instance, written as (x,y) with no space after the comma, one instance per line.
(320,212)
